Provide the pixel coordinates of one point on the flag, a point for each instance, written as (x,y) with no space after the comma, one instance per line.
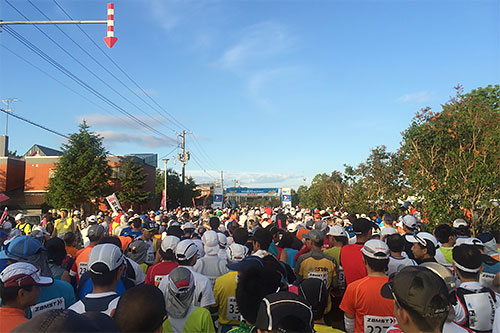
(4,215)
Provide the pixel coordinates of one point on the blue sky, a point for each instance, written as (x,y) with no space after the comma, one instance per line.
(273,91)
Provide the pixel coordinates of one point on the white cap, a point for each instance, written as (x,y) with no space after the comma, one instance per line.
(169,242)
(336,230)
(92,219)
(186,249)
(41,229)
(108,254)
(210,242)
(376,249)
(236,252)
(409,221)
(188,225)
(222,239)
(423,238)
(291,227)
(19,217)
(77,212)
(459,223)
(22,274)
(388,231)
(468,241)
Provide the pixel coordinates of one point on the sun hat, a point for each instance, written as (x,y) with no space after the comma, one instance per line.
(376,249)
(284,308)
(315,235)
(169,243)
(236,252)
(21,274)
(419,289)
(423,238)
(105,258)
(21,247)
(409,221)
(336,230)
(186,249)
(468,258)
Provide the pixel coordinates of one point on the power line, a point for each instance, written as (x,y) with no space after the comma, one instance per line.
(207,156)
(102,66)
(56,79)
(120,69)
(72,76)
(89,70)
(34,124)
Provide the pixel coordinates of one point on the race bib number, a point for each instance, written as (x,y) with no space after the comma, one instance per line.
(486,280)
(53,304)
(232,313)
(378,324)
(481,308)
(341,278)
(82,268)
(321,276)
(158,279)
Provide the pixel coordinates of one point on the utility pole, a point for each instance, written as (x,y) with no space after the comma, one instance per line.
(7,109)
(222,180)
(184,156)
(165,160)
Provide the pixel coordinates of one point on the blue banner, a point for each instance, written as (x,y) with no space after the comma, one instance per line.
(252,192)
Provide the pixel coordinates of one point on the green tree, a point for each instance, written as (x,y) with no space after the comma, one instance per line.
(176,190)
(452,157)
(81,176)
(132,183)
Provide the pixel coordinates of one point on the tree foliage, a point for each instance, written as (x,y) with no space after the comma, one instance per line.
(177,192)
(82,173)
(452,157)
(132,183)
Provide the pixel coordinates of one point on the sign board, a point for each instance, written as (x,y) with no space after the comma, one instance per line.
(114,203)
(286,197)
(252,192)
(218,198)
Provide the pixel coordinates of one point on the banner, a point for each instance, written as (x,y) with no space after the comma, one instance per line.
(218,198)
(163,203)
(114,203)
(286,197)
(252,192)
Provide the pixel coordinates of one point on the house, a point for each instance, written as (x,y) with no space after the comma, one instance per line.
(23,180)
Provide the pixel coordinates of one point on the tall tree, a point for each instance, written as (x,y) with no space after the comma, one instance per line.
(82,173)
(132,183)
(452,157)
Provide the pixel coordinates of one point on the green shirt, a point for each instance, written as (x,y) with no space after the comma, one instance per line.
(243,328)
(199,320)
(447,253)
(333,252)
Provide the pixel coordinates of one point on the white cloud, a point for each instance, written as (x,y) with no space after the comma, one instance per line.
(420,97)
(120,120)
(139,139)
(248,179)
(258,42)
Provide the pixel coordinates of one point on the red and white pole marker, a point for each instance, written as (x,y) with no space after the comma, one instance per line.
(110,39)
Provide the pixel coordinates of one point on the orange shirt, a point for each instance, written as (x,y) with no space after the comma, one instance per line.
(80,264)
(10,318)
(301,233)
(125,240)
(372,312)
(72,251)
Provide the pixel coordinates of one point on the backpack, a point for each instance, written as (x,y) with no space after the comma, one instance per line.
(479,308)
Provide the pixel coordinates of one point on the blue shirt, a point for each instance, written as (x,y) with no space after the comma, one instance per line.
(59,295)
(88,287)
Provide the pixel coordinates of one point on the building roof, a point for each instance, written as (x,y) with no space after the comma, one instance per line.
(38,150)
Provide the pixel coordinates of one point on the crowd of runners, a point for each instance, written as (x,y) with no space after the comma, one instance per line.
(246,269)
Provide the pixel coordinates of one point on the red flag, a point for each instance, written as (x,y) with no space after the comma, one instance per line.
(4,215)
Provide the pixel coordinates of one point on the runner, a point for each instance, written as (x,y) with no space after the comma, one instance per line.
(95,233)
(351,258)
(397,261)
(106,265)
(365,310)
(167,261)
(424,246)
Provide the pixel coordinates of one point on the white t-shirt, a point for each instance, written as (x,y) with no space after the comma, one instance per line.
(396,264)
(203,293)
(107,306)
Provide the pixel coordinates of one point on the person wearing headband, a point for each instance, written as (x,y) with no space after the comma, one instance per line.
(478,304)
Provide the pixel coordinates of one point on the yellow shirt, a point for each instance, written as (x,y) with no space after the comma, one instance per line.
(24,227)
(325,329)
(65,225)
(225,299)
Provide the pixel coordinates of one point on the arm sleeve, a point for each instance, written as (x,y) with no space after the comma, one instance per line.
(349,324)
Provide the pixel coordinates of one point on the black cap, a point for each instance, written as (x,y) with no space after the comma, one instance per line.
(362,226)
(284,311)
(419,289)
(468,258)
